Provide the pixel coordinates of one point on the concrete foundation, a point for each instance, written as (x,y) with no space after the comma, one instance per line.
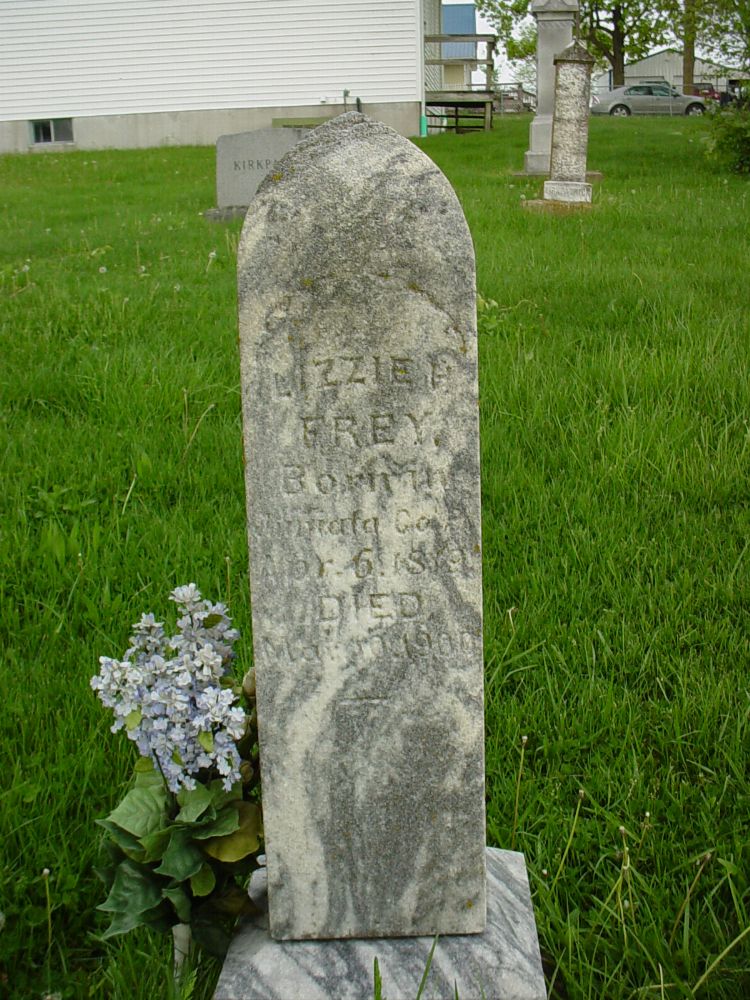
(192,128)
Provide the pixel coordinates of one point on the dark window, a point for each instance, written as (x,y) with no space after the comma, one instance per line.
(42,131)
(62,129)
(53,130)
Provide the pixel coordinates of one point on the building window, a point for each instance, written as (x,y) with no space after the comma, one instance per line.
(52,130)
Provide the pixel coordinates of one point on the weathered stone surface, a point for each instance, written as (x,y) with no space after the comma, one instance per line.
(574,191)
(503,963)
(244,159)
(570,123)
(555,20)
(360,408)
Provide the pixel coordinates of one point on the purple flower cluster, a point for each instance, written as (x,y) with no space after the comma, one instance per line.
(166,692)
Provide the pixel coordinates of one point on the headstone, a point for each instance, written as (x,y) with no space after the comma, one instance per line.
(555,20)
(503,963)
(244,159)
(570,127)
(360,409)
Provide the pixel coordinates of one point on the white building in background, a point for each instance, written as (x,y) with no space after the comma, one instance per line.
(664,65)
(92,74)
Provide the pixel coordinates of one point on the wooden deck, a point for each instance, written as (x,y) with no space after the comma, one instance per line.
(461,109)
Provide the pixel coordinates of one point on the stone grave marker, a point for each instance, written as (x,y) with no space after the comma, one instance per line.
(360,409)
(570,127)
(244,159)
(359,379)
(555,21)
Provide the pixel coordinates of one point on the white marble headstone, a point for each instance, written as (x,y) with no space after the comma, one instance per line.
(360,410)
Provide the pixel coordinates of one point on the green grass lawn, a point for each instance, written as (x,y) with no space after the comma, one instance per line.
(615,368)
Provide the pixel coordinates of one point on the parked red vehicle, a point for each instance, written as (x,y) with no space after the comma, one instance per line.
(705,90)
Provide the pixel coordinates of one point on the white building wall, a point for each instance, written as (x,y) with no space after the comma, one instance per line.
(79,58)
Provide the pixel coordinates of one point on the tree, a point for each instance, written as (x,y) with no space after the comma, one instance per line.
(718,27)
(613,30)
(692,21)
(727,31)
(690,11)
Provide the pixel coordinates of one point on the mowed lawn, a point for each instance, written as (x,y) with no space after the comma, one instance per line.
(615,389)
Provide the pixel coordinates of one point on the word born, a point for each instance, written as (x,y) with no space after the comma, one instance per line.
(253,164)
(413,477)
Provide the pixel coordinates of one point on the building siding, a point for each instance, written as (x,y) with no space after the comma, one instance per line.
(433,75)
(78,58)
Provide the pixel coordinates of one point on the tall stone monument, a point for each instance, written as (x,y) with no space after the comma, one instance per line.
(359,375)
(555,21)
(570,127)
(360,408)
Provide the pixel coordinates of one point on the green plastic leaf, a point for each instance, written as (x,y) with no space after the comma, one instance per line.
(142,811)
(146,775)
(181,902)
(134,890)
(122,923)
(245,840)
(133,719)
(159,918)
(127,843)
(106,873)
(206,740)
(155,844)
(193,803)
(181,859)
(204,881)
(220,796)
(227,821)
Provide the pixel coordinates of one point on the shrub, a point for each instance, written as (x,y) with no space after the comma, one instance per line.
(729,140)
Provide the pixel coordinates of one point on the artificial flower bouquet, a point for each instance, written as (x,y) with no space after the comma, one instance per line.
(185,838)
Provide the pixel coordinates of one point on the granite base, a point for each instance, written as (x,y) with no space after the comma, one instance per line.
(503,963)
(568,191)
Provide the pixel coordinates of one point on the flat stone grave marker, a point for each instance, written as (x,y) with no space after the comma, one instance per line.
(244,159)
(360,406)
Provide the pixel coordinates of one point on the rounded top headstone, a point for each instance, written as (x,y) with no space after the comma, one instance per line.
(360,407)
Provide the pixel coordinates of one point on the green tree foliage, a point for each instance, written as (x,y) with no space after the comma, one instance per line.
(613,31)
(727,32)
(719,28)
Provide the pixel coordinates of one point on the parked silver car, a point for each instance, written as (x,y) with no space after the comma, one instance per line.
(647,99)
